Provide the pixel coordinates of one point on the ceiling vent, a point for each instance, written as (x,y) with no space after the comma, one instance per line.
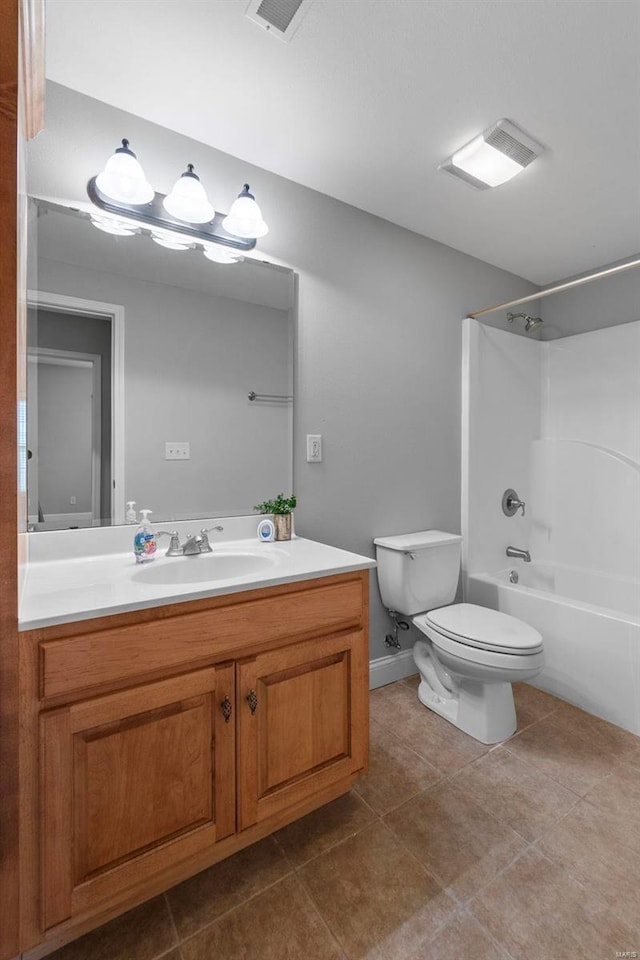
(280,17)
(493,157)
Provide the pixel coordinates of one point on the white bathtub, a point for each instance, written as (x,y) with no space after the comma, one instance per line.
(591,629)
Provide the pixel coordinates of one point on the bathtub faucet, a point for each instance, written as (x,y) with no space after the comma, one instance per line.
(519,554)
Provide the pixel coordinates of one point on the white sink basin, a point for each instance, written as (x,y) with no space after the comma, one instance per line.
(204,567)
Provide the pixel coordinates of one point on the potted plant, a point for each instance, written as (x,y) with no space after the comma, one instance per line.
(281,508)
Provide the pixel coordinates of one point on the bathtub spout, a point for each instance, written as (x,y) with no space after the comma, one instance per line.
(519,554)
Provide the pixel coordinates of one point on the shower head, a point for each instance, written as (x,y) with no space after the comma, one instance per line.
(531,323)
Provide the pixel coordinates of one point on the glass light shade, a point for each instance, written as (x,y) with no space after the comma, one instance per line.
(188,200)
(172,241)
(485,163)
(220,254)
(113,225)
(244,218)
(123,178)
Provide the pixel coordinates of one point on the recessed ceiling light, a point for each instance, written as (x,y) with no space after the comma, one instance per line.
(493,157)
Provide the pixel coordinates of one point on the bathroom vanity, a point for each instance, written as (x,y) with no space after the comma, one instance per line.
(162,737)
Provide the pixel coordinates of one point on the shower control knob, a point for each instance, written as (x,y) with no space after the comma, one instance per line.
(511,503)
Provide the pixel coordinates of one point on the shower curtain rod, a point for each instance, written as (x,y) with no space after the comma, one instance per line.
(557,289)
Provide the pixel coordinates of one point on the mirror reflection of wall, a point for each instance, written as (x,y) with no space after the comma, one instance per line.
(196,342)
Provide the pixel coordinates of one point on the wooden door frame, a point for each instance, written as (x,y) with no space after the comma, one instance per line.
(21,65)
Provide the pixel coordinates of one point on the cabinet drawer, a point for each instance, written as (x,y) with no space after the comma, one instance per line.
(235,625)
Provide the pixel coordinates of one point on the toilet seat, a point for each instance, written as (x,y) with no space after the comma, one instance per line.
(505,660)
(470,625)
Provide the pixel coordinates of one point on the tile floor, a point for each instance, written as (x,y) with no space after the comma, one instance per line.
(446,850)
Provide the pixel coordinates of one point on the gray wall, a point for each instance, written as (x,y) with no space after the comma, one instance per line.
(379,338)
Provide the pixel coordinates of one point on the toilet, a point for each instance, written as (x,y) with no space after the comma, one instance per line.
(468,656)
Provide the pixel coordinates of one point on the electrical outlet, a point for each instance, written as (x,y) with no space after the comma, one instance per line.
(314,448)
(73,501)
(177,450)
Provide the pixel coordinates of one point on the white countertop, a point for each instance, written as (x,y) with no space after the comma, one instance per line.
(74,588)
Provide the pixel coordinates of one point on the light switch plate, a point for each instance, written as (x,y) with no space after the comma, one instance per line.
(314,448)
(177,450)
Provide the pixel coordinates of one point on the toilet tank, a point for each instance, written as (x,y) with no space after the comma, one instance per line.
(418,571)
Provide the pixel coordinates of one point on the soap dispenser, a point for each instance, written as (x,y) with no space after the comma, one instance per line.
(131,516)
(144,542)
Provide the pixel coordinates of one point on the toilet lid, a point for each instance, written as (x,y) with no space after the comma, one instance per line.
(488,629)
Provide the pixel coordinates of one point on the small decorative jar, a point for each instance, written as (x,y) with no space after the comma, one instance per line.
(282,523)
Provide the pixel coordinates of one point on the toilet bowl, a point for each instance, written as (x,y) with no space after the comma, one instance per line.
(467,663)
(468,656)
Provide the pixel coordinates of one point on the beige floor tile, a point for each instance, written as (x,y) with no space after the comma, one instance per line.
(532,704)
(538,912)
(461,844)
(413,681)
(619,794)
(143,933)
(323,828)
(378,901)
(397,708)
(395,774)
(601,849)
(572,747)
(462,938)
(279,924)
(515,792)
(618,740)
(201,899)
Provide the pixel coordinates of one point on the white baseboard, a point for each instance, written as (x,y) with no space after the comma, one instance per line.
(394,667)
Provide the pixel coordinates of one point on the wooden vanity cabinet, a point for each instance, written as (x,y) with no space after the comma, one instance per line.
(148,779)
(129,779)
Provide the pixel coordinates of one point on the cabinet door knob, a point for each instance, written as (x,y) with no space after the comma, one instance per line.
(252,700)
(226,708)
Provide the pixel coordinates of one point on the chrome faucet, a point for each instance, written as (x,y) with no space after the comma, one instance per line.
(205,546)
(192,546)
(519,554)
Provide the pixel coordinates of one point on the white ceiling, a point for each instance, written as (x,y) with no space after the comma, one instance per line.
(371,95)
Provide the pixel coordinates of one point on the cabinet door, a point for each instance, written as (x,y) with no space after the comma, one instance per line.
(132,782)
(302,722)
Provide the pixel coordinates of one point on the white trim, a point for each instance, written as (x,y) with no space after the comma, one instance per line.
(469,339)
(387,669)
(63,521)
(115,312)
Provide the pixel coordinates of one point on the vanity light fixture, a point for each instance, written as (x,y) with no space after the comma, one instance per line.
(123,178)
(494,157)
(213,251)
(185,215)
(188,200)
(113,225)
(245,218)
(172,241)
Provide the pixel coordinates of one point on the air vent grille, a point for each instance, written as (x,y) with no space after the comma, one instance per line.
(508,145)
(279,13)
(280,17)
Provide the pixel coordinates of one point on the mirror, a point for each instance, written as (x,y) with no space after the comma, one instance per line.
(141,363)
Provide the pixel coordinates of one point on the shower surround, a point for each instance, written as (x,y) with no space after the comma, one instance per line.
(559,421)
